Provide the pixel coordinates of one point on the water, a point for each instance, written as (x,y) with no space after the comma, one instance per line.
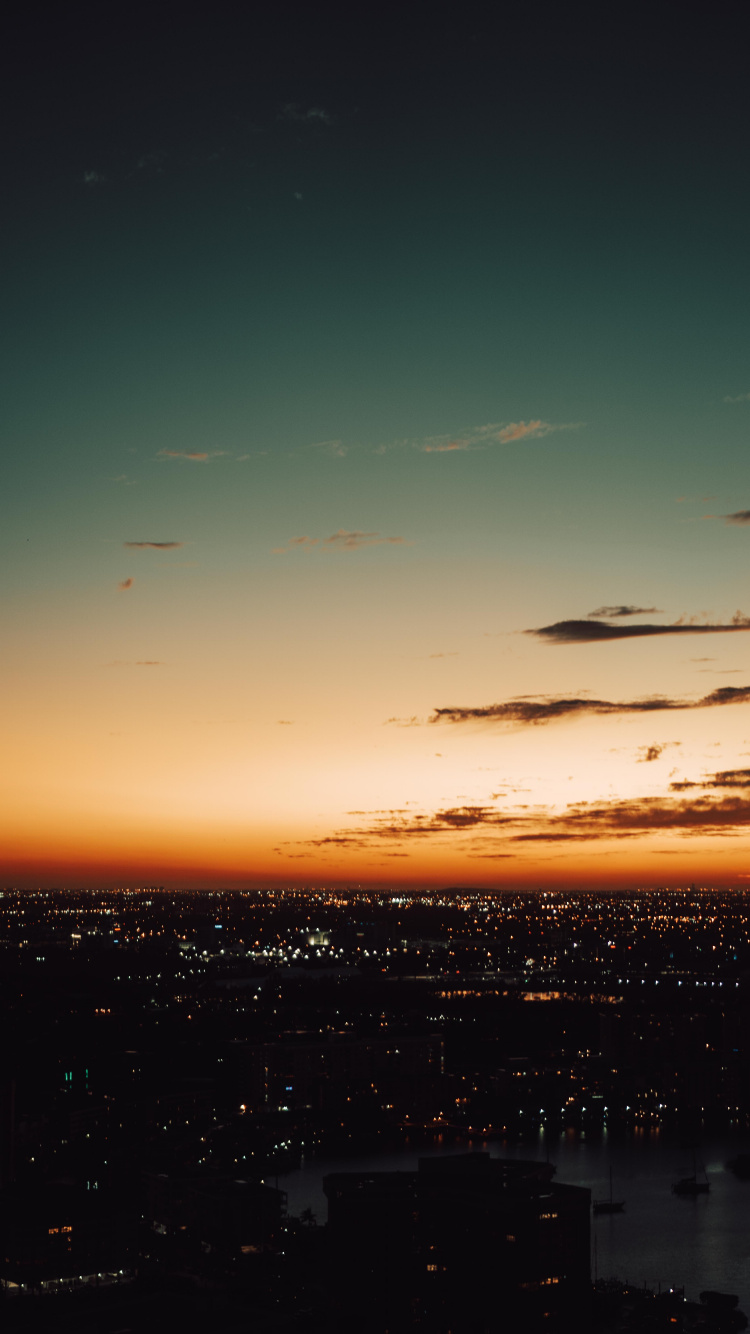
(661,1238)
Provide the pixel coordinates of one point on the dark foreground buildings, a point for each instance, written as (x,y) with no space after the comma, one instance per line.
(169,1057)
(467,1243)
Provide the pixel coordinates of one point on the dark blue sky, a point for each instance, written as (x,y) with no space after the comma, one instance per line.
(407,333)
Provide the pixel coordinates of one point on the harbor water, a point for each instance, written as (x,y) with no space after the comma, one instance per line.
(661,1239)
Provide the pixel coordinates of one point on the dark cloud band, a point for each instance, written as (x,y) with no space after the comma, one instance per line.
(625,610)
(484,830)
(594,632)
(736,778)
(547,709)
(155,546)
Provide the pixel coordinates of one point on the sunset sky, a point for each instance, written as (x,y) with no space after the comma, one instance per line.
(376,499)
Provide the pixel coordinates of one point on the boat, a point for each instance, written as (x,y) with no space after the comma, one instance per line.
(610,1206)
(692,1185)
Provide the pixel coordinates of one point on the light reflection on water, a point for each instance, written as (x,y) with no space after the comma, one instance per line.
(661,1238)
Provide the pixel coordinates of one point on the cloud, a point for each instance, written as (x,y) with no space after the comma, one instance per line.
(724,778)
(397,825)
(345,541)
(93,178)
(649,754)
(340,541)
(725,671)
(414,721)
(741,516)
(124,480)
(445,447)
(737,398)
(297,115)
(490,856)
(492,433)
(152,163)
(623,819)
(591,632)
(285,722)
(472,438)
(625,611)
(192,455)
(149,662)
(481,826)
(547,709)
(522,430)
(335,449)
(156,546)
(126,584)
(297,543)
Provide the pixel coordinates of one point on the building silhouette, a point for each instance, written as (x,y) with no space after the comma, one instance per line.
(465,1244)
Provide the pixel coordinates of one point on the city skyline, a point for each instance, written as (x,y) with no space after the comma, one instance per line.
(376,504)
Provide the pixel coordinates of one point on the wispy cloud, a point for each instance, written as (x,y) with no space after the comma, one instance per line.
(737,398)
(625,610)
(414,721)
(155,546)
(345,541)
(340,541)
(594,632)
(297,544)
(471,438)
(124,480)
(126,584)
(152,163)
(93,178)
(723,778)
(444,446)
(192,455)
(649,754)
(545,709)
(142,662)
(740,516)
(483,829)
(523,430)
(630,819)
(400,824)
(492,433)
(300,115)
(335,449)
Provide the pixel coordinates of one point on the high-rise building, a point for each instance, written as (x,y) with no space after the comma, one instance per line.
(459,1244)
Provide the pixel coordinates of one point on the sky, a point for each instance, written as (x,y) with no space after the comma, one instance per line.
(375,487)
